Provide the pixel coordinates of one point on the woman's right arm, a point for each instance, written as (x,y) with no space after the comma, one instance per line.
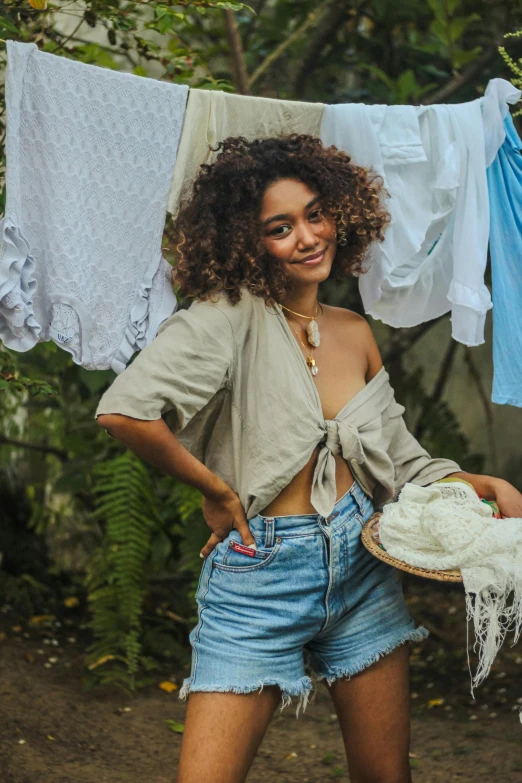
(154,442)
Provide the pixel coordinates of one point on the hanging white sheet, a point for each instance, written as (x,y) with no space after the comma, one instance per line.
(90,154)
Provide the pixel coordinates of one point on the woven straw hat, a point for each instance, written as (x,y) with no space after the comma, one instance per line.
(371,540)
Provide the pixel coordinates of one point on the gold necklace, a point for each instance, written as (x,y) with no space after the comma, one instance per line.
(312,330)
(309,359)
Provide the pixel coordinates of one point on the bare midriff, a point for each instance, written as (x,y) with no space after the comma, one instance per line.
(343,366)
(295,497)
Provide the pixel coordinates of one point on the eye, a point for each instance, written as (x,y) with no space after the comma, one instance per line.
(279,231)
(316,214)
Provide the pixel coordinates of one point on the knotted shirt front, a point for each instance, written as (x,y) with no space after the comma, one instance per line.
(234,387)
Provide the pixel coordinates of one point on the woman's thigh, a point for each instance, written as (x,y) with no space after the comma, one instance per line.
(373,710)
(222,734)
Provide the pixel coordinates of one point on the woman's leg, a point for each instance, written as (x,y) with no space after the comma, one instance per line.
(222,734)
(373,710)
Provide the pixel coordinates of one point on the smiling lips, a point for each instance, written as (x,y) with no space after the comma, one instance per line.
(312,260)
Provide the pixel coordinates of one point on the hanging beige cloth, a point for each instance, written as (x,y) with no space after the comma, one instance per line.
(212,115)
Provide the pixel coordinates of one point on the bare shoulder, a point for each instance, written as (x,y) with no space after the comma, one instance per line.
(348,319)
(357,329)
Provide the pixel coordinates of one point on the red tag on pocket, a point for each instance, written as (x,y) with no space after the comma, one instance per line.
(244,550)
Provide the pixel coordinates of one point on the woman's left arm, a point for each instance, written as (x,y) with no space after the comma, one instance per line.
(507,497)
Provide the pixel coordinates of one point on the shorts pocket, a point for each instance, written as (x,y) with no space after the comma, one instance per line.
(234,560)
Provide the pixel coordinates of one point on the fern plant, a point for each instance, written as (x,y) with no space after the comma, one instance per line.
(125,501)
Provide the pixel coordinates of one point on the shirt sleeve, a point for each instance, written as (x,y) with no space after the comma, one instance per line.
(412,463)
(188,362)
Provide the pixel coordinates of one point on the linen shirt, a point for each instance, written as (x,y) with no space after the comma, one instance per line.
(433,162)
(235,389)
(212,116)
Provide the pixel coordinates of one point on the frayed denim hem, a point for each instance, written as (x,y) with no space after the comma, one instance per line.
(417,635)
(301,688)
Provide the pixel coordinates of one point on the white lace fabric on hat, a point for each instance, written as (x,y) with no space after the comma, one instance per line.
(90,155)
(447,526)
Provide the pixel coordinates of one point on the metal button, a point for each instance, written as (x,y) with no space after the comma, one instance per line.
(279,540)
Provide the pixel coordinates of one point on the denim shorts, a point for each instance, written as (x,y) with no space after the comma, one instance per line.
(311,589)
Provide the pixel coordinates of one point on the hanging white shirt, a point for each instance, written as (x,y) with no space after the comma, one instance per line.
(433,162)
(90,155)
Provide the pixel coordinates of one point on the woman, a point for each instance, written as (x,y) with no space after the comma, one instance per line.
(292,446)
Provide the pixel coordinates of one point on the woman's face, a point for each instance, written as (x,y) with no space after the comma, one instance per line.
(295,232)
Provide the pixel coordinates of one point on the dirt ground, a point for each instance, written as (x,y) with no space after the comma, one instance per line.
(52,730)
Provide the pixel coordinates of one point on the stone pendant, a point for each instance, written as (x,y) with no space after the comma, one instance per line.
(312,330)
(312,365)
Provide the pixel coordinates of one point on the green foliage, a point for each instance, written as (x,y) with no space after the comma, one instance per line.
(515,66)
(448,28)
(405,88)
(125,502)
(12,381)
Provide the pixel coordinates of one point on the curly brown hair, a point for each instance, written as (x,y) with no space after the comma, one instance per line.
(217,230)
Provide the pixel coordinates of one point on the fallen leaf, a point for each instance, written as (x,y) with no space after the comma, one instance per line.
(168,687)
(41,619)
(40,5)
(291,756)
(49,737)
(176,617)
(71,602)
(177,728)
(435,703)
(21,742)
(101,661)
(16,628)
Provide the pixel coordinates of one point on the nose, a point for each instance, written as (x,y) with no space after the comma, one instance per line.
(306,237)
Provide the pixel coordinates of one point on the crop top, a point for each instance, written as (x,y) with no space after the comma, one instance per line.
(233,385)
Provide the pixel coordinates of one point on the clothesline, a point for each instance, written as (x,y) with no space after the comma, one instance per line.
(94,165)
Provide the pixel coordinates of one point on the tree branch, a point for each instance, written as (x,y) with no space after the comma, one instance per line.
(60,453)
(468,74)
(238,55)
(339,10)
(298,32)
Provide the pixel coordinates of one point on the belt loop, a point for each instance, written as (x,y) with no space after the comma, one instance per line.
(358,495)
(269,532)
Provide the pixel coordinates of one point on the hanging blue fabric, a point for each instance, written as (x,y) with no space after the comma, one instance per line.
(505,200)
